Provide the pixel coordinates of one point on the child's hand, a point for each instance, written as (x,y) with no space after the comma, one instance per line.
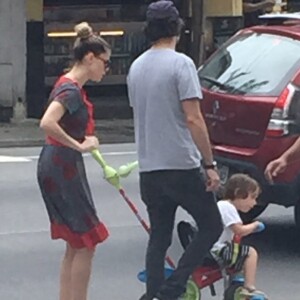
(260,227)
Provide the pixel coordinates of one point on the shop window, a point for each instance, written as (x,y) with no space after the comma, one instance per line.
(122,26)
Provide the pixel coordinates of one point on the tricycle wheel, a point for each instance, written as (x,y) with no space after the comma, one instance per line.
(233,292)
(192,291)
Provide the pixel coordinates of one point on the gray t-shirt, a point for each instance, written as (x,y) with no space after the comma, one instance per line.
(158,81)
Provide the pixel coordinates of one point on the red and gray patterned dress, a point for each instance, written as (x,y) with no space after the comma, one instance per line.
(62,177)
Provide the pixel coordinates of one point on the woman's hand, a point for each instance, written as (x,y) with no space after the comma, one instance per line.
(90,143)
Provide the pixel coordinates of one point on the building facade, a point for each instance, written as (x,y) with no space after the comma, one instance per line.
(32,56)
(12,59)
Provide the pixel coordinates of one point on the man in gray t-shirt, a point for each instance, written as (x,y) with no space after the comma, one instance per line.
(172,140)
(158,82)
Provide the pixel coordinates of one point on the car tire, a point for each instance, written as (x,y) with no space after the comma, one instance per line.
(297,215)
(254,213)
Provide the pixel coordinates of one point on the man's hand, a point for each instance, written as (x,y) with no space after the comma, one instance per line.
(275,167)
(212,180)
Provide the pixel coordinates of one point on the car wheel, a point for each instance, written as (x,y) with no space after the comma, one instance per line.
(297,215)
(253,213)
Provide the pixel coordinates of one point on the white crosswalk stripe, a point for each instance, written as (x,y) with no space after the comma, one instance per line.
(9,159)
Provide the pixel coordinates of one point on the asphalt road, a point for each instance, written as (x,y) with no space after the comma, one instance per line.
(29,260)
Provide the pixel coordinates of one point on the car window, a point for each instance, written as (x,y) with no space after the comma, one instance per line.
(252,64)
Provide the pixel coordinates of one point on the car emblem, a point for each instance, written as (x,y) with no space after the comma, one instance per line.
(215,107)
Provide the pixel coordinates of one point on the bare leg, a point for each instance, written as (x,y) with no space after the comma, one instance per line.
(65,273)
(80,273)
(250,267)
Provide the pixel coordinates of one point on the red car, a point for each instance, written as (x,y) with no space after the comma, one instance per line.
(251,88)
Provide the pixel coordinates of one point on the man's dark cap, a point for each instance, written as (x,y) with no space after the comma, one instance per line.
(163,9)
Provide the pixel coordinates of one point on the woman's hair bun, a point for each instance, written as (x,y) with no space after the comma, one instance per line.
(83,30)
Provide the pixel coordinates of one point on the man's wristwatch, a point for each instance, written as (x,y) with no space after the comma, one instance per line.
(213,165)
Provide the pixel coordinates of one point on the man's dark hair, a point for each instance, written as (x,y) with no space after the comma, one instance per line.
(163,28)
(162,21)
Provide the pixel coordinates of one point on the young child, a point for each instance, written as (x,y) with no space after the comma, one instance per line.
(240,194)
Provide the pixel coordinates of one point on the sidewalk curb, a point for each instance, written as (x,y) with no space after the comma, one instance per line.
(28,133)
(26,143)
(21,143)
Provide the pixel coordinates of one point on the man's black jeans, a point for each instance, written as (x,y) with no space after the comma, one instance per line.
(162,192)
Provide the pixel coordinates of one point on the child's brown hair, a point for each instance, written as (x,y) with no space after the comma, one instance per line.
(240,186)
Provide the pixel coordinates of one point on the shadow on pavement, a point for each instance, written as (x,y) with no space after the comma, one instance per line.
(279,238)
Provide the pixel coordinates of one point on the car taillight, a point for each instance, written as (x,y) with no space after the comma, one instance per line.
(279,123)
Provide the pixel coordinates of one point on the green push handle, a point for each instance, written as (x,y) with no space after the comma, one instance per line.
(110,174)
(125,170)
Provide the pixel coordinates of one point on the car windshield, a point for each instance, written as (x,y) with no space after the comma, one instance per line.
(252,64)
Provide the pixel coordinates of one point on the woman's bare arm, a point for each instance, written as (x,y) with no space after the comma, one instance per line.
(49,124)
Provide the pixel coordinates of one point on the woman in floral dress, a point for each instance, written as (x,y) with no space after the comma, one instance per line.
(69,128)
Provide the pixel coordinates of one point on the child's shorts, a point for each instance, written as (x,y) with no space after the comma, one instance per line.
(233,255)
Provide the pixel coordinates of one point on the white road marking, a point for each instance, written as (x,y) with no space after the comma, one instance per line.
(11,232)
(9,159)
(119,153)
